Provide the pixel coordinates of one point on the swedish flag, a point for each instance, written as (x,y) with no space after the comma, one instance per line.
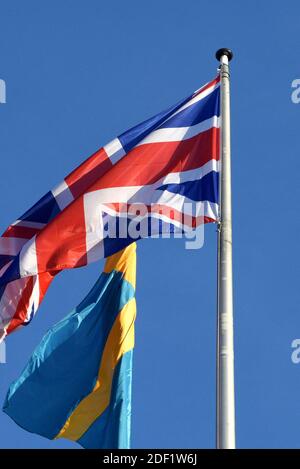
(77,384)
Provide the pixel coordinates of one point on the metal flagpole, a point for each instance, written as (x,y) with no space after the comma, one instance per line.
(225,353)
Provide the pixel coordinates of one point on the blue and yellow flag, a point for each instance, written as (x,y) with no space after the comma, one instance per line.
(77,384)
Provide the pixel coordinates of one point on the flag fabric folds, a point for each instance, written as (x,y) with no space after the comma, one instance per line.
(77,383)
(163,172)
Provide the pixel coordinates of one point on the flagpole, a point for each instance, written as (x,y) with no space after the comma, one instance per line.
(225,352)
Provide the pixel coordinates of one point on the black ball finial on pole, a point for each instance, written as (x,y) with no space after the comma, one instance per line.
(224,51)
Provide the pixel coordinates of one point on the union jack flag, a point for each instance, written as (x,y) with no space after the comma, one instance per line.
(154,170)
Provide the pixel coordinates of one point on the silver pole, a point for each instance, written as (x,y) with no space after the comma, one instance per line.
(225,353)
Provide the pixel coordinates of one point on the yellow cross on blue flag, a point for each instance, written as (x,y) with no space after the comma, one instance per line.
(77,384)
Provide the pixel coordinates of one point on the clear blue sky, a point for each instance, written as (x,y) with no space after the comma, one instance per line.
(79,73)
